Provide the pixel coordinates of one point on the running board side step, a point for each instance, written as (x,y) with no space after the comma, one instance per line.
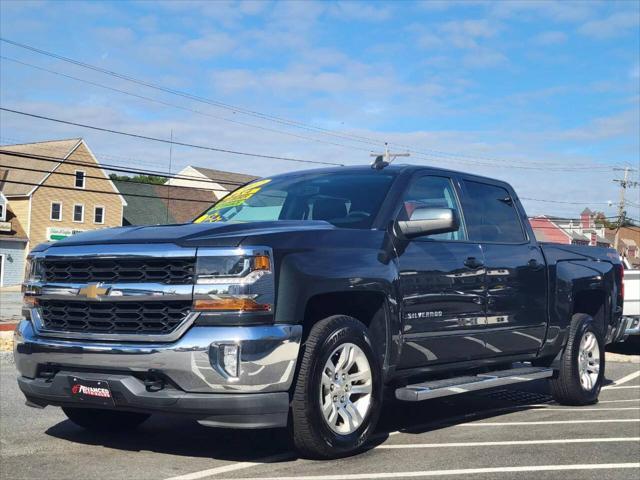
(453,386)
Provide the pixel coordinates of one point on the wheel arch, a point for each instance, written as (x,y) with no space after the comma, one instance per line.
(370,307)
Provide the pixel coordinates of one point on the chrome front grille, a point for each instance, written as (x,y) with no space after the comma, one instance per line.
(166,271)
(122,318)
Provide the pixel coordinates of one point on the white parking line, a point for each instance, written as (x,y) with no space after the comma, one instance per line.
(463,471)
(611,387)
(505,443)
(232,467)
(628,378)
(620,401)
(580,409)
(547,422)
(514,409)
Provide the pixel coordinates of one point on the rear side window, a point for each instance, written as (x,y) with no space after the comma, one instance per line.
(491,215)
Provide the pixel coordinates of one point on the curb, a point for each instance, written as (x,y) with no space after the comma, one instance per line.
(6,340)
(8,326)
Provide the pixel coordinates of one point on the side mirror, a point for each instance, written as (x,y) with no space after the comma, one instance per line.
(429,221)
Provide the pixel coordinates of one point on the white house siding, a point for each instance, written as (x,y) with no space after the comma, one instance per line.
(13,262)
(198,181)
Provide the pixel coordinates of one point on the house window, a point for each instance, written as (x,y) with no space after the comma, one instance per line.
(79,179)
(78,213)
(3,214)
(98,215)
(56,211)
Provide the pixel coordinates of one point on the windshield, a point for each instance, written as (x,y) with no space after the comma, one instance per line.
(348,200)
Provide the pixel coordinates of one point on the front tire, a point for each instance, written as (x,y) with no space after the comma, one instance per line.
(338,392)
(581,373)
(97,420)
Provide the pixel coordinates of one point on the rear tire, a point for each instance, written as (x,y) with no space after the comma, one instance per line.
(325,425)
(581,373)
(97,420)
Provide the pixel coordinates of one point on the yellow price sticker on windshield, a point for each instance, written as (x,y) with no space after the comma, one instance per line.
(234,199)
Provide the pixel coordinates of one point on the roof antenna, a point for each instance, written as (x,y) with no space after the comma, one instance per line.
(384,159)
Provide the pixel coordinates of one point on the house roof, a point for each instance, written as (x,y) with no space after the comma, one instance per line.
(587,211)
(626,233)
(25,179)
(17,233)
(228,180)
(629,242)
(186,203)
(149,204)
(546,230)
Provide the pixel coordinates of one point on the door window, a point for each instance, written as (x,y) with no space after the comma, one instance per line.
(491,215)
(435,192)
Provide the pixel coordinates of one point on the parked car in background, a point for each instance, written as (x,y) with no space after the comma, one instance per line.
(631,310)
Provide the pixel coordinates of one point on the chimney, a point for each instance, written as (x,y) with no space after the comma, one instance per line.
(586,219)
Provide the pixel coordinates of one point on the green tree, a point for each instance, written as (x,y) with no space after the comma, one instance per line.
(599,218)
(139,179)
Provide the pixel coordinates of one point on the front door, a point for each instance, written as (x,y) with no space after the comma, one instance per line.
(442,285)
(515,270)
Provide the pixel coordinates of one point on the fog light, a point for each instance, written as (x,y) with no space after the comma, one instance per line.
(230,359)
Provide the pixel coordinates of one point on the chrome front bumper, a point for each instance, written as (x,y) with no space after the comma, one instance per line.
(268,357)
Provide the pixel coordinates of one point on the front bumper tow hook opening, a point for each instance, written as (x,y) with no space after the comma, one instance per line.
(154,383)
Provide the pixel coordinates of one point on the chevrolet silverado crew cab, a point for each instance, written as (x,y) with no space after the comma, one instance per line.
(300,300)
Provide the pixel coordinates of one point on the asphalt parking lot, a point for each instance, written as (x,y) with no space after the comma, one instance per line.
(504,433)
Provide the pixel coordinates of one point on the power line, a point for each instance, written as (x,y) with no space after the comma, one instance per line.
(180,107)
(59,187)
(96,177)
(162,140)
(117,168)
(294,123)
(187,177)
(232,108)
(563,202)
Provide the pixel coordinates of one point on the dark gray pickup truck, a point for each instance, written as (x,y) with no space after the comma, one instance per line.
(299,300)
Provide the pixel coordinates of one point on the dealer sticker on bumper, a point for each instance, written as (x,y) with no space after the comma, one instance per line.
(91,391)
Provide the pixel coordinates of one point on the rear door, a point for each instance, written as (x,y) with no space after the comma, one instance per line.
(441,282)
(515,268)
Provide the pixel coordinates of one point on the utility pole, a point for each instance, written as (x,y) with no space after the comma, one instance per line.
(624,184)
(169,180)
(385,158)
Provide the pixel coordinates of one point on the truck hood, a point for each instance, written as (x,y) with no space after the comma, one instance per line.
(192,234)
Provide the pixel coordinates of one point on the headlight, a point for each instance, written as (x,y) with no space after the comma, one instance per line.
(34,273)
(214,269)
(34,269)
(234,286)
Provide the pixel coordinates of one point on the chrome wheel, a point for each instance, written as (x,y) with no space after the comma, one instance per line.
(345,392)
(589,361)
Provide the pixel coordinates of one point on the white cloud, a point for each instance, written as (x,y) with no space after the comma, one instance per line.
(484,58)
(550,38)
(349,10)
(209,45)
(465,33)
(615,25)
(555,10)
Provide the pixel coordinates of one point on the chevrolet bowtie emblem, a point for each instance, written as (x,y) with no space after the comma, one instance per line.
(92,290)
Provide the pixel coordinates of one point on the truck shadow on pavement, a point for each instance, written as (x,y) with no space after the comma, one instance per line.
(184,437)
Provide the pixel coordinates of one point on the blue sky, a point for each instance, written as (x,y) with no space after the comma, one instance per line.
(543,94)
